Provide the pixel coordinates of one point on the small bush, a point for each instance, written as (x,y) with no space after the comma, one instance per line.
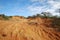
(5,17)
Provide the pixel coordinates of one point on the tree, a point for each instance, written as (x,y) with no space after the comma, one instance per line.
(46,14)
(58,11)
(5,17)
(38,15)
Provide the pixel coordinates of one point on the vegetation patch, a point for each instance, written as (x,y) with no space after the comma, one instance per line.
(2,16)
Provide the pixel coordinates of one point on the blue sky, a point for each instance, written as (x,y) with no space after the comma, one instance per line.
(28,7)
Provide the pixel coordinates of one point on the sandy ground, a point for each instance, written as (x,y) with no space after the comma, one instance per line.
(26,29)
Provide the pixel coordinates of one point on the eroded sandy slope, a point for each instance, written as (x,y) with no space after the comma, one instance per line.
(26,29)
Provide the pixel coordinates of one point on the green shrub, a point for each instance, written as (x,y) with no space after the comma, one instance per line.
(5,17)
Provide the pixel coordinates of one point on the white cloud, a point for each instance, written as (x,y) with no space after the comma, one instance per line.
(53,4)
(34,9)
(37,0)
